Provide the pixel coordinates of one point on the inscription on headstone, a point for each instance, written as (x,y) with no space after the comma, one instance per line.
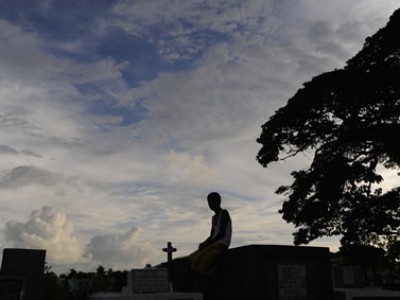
(292,282)
(150,281)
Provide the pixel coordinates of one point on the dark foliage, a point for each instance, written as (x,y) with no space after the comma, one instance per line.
(80,285)
(350,120)
(359,255)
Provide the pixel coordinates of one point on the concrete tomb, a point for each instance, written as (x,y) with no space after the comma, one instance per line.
(270,272)
(276,273)
(21,274)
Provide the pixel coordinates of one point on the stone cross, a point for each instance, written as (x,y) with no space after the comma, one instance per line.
(169,251)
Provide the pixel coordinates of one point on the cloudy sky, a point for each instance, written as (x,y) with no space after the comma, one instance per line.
(117,118)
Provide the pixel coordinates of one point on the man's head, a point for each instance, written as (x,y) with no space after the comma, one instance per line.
(214,201)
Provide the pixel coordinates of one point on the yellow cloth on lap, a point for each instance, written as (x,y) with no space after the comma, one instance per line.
(205,261)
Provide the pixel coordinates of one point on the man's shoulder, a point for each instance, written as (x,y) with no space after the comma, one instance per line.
(225,212)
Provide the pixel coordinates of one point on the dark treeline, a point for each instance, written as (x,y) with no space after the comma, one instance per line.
(78,285)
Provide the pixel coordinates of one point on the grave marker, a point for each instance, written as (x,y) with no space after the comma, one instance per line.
(21,274)
(169,251)
(149,280)
(23,262)
(147,284)
(292,282)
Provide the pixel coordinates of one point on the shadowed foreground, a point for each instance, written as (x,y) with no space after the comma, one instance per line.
(262,272)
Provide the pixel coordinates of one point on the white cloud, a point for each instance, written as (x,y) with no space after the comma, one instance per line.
(181,29)
(187,27)
(22,56)
(47,229)
(120,251)
(99,71)
(190,170)
(52,230)
(236,86)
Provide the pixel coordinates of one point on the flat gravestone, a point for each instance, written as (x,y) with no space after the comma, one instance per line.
(147,284)
(149,281)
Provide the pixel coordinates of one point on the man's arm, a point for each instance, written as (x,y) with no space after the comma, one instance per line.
(221,232)
(223,224)
(207,242)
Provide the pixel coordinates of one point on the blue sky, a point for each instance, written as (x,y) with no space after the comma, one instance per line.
(117,118)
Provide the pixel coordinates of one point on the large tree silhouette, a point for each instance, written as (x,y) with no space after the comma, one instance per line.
(350,119)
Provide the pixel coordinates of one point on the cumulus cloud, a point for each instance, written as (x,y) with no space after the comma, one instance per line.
(48,229)
(125,250)
(52,230)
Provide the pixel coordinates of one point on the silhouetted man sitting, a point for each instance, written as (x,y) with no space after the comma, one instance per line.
(204,259)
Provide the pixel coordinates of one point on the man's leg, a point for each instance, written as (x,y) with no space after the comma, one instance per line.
(205,261)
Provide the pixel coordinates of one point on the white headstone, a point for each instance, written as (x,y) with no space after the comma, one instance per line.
(292,282)
(141,281)
(147,284)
